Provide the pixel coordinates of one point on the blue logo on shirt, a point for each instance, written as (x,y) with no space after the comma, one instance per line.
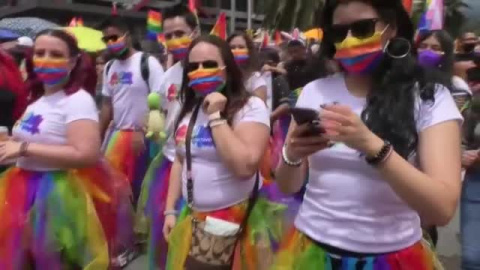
(202,137)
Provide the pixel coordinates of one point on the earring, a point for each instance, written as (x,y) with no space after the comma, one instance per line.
(397,48)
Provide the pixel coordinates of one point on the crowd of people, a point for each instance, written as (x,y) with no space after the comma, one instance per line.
(341,154)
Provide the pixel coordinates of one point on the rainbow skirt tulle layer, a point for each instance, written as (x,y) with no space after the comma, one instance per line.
(151,205)
(254,251)
(118,149)
(62,220)
(298,252)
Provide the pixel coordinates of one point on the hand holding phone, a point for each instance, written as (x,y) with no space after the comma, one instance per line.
(307,116)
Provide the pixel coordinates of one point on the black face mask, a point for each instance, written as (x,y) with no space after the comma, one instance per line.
(469,47)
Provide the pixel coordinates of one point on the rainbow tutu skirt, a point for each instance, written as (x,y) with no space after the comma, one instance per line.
(71,219)
(254,251)
(298,252)
(151,205)
(118,150)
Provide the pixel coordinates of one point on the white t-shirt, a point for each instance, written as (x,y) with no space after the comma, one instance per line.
(45,121)
(126,87)
(169,89)
(215,186)
(347,204)
(255,81)
(267,76)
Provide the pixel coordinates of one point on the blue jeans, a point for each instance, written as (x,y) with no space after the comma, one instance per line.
(470,221)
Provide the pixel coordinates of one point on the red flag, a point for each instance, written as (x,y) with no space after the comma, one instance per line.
(278,38)
(114,9)
(73,22)
(192,5)
(79,21)
(266,40)
(408,4)
(220,28)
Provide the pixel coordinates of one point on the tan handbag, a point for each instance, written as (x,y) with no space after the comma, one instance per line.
(208,251)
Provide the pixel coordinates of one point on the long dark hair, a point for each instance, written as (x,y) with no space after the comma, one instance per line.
(82,76)
(397,82)
(447,44)
(234,90)
(252,64)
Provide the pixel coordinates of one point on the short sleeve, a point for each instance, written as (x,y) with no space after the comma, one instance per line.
(106,90)
(304,96)
(258,81)
(442,109)
(156,74)
(81,106)
(254,111)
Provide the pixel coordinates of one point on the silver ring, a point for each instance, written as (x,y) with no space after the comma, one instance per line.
(397,56)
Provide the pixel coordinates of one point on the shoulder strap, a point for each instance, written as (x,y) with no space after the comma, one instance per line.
(108,66)
(188,154)
(145,68)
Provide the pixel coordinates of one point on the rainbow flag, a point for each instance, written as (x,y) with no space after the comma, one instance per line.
(433,17)
(161,39)
(220,28)
(154,24)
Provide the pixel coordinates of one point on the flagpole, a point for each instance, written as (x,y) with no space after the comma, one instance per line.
(233,5)
(249,13)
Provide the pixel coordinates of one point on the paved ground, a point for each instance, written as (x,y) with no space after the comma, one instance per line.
(449,244)
(448,248)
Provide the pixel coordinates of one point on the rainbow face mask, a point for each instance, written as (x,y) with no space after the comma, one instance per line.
(51,71)
(241,56)
(118,47)
(178,47)
(206,81)
(360,56)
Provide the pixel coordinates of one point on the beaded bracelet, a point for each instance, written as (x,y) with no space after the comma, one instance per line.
(287,160)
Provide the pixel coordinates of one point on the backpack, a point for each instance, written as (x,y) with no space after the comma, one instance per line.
(144,68)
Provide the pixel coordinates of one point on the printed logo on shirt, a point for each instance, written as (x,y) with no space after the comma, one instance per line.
(201,137)
(180,135)
(121,78)
(172,92)
(31,123)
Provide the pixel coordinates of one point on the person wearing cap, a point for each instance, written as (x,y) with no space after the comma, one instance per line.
(376,156)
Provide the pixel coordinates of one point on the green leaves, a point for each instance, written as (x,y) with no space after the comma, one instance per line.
(288,14)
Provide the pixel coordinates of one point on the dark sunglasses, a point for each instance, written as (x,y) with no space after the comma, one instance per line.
(192,66)
(175,34)
(359,29)
(112,38)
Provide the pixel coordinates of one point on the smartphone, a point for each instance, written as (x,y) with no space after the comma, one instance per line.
(304,116)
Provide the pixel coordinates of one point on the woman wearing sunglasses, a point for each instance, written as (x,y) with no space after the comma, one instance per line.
(386,149)
(60,204)
(246,58)
(221,135)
